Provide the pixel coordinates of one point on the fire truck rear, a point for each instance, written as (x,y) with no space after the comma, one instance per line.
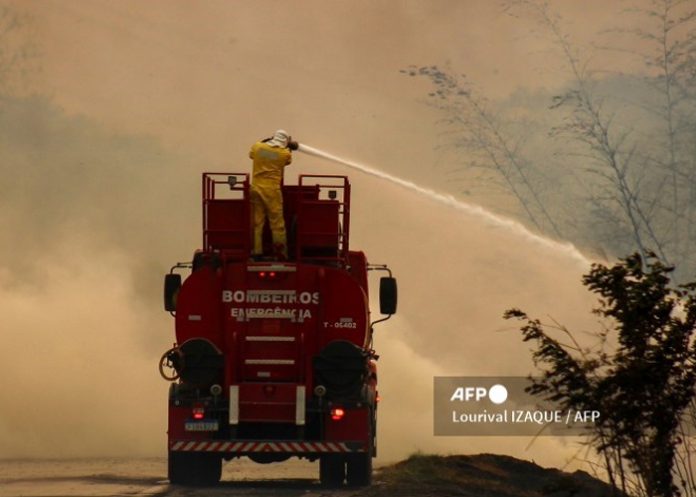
(274,359)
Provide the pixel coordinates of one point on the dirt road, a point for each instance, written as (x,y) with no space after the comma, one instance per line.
(418,476)
(143,477)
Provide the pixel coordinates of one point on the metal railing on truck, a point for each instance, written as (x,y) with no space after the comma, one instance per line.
(323,224)
(227,214)
(317,217)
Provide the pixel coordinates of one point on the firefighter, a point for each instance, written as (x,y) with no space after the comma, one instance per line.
(270,157)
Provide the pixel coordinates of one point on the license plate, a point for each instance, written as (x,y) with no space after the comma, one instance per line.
(201,426)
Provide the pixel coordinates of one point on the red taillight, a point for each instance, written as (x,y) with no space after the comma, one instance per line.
(337,414)
(270,275)
(262,274)
(198,413)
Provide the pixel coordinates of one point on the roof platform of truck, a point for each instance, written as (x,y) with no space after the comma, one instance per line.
(316,212)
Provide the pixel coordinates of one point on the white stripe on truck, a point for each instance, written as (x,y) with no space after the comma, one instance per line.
(300,405)
(234,405)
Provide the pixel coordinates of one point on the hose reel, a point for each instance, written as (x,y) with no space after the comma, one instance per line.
(197,361)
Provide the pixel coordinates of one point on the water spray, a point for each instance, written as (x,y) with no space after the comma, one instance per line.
(449,200)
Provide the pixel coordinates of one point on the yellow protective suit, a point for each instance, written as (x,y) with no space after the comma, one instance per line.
(266,194)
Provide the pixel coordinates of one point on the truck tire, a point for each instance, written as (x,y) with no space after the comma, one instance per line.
(359,469)
(194,469)
(332,470)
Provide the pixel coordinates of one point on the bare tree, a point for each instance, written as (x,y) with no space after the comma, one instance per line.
(628,140)
(481,133)
(642,184)
(640,150)
(608,148)
(671,42)
(663,38)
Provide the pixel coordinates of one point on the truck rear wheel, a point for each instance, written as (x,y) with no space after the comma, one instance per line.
(359,469)
(332,470)
(194,469)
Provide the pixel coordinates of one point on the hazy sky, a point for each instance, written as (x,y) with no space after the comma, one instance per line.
(213,76)
(149,94)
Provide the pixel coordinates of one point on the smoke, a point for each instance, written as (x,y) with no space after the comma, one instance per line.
(458,271)
(90,222)
(95,219)
(77,379)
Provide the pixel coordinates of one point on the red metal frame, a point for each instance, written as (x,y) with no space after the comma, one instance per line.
(323,182)
(211,181)
(227,223)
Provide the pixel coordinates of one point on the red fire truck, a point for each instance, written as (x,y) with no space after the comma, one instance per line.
(274,359)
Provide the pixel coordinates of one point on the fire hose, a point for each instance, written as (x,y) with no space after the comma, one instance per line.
(173,359)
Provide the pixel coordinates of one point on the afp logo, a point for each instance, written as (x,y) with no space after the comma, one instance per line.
(496,394)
